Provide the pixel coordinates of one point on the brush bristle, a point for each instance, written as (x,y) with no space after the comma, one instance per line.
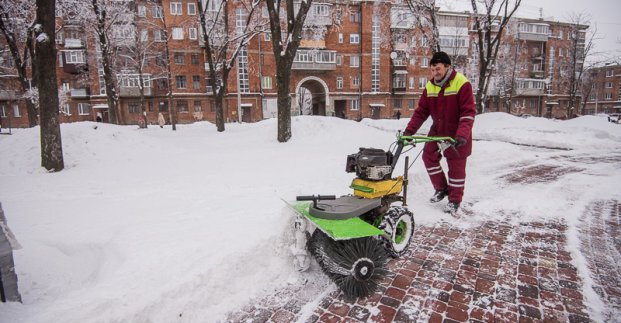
(337,259)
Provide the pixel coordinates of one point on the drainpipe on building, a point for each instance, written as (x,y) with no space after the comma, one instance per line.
(239,117)
(261,94)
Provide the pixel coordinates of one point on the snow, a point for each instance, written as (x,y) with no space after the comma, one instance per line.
(153,225)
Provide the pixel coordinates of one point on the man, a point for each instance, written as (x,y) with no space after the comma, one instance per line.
(448,99)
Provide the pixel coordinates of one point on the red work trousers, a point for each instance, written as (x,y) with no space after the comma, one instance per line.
(456,172)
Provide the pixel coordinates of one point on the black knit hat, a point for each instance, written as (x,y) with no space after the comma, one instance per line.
(440,57)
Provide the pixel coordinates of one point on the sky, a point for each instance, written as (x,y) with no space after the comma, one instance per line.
(151,225)
(604,16)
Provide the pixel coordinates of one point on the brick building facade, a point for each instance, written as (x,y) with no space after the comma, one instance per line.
(604,96)
(369,61)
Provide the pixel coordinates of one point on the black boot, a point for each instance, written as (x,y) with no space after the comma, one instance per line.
(451,208)
(438,196)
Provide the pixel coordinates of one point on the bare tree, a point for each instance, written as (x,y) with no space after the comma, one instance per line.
(285,45)
(426,17)
(16,23)
(221,47)
(581,46)
(490,25)
(45,62)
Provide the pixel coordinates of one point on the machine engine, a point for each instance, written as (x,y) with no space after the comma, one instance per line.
(370,164)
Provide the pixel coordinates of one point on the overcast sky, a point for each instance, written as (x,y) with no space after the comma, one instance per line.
(604,15)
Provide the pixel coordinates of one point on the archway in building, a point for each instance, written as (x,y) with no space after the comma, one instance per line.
(312,97)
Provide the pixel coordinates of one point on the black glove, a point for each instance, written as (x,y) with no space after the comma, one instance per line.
(407,133)
(460,141)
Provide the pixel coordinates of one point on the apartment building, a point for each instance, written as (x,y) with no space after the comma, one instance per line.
(363,59)
(604,93)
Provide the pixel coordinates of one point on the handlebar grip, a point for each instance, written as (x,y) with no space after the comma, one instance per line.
(313,197)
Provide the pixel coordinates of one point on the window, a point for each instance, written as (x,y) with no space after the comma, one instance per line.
(398,81)
(192,34)
(181,81)
(340,38)
(267,36)
(411,104)
(16,111)
(397,104)
(163,106)
(177,33)
(144,35)
(176,9)
(560,34)
(320,10)
(339,59)
(339,82)
(66,109)
(422,82)
(179,58)
(191,8)
(84,109)
(354,61)
(158,35)
(424,41)
(354,105)
(413,41)
(196,82)
(74,56)
(266,82)
(133,107)
(65,86)
(198,107)
(194,58)
(412,60)
(355,81)
(560,52)
(424,62)
(610,73)
(609,85)
(157,12)
(142,11)
(608,96)
(412,82)
(3,112)
(354,38)
(182,106)
(375,53)
(60,59)
(354,16)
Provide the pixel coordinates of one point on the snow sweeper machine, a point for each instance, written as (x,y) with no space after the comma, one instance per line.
(352,237)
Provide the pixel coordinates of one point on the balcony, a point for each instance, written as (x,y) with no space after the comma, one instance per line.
(317,60)
(529,87)
(74,43)
(532,36)
(126,91)
(80,93)
(8,95)
(536,74)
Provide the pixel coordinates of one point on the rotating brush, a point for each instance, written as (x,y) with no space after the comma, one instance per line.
(356,266)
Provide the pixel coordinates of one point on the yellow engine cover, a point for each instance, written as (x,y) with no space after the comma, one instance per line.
(375,189)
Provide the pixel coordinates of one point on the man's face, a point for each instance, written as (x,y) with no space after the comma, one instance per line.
(438,71)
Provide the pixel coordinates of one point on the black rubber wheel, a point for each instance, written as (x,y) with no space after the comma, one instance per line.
(398,223)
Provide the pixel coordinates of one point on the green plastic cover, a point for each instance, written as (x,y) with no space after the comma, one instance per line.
(338,229)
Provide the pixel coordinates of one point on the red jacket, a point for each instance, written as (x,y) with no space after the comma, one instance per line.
(452,110)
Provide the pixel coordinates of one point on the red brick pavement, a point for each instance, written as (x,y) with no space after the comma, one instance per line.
(493,272)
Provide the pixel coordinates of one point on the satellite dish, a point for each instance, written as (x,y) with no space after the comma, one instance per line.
(393,55)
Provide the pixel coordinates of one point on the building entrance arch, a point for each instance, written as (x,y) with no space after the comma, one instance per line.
(312,97)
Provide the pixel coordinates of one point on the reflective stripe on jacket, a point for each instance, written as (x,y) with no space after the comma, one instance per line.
(452,110)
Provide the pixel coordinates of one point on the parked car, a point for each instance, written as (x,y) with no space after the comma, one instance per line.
(614,117)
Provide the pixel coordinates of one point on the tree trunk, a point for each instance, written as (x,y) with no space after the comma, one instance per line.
(219,101)
(283,78)
(109,78)
(45,60)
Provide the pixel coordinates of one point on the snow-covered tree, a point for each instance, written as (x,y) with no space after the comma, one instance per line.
(222,46)
(581,47)
(290,15)
(426,17)
(45,64)
(16,24)
(490,19)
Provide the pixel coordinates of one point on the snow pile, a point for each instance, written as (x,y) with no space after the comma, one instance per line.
(161,226)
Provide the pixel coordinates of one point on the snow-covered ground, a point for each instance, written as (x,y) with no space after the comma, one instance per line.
(161,226)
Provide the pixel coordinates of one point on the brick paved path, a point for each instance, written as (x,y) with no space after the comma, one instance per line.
(494,271)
